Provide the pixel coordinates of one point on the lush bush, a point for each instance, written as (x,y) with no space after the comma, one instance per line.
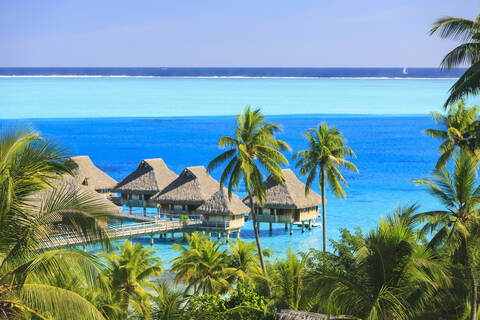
(243,304)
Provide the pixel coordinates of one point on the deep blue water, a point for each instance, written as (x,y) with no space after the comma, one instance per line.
(391,151)
(238,72)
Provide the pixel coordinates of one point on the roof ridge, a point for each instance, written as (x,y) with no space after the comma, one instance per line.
(287,185)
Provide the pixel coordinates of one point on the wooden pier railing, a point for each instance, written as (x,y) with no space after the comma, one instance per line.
(64,238)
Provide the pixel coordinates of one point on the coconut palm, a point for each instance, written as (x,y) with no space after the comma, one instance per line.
(243,258)
(130,271)
(253,147)
(393,278)
(457,130)
(468,52)
(459,192)
(325,156)
(289,283)
(168,303)
(31,202)
(203,266)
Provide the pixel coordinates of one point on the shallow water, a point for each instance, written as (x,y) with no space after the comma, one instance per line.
(160,97)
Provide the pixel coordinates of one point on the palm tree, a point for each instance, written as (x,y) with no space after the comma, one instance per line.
(325,156)
(31,200)
(289,283)
(459,192)
(130,272)
(393,278)
(243,258)
(253,147)
(203,266)
(457,130)
(468,52)
(169,303)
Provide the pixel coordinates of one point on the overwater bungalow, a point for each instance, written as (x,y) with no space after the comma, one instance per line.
(87,174)
(197,195)
(67,184)
(150,177)
(287,203)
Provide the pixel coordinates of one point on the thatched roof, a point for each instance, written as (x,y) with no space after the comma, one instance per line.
(194,186)
(290,195)
(219,203)
(89,175)
(150,177)
(67,184)
(302,315)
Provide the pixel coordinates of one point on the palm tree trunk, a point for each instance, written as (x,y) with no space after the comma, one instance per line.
(257,239)
(126,298)
(324,223)
(473,282)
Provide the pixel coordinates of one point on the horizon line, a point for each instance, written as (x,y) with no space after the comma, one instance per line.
(180,117)
(243,67)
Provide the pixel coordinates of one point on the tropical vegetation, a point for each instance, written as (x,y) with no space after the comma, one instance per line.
(253,147)
(324,157)
(467,32)
(457,130)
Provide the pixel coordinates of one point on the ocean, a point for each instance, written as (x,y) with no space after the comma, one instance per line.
(120,121)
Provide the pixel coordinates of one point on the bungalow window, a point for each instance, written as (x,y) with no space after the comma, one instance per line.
(272,212)
(140,197)
(129,196)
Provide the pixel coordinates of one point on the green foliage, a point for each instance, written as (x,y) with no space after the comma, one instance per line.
(168,303)
(254,147)
(468,52)
(455,227)
(129,273)
(243,304)
(289,283)
(33,193)
(325,156)
(343,256)
(203,266)
(457,130)
(243,259)
(391,276)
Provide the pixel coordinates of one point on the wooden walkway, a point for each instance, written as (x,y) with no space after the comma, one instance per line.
(151,228)
(131,217)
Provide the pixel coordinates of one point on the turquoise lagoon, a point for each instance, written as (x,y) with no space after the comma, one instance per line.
(171,97)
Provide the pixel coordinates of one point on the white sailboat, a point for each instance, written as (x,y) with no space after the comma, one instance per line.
(405,70)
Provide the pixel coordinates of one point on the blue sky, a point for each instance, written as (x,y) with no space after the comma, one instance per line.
(278,33)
